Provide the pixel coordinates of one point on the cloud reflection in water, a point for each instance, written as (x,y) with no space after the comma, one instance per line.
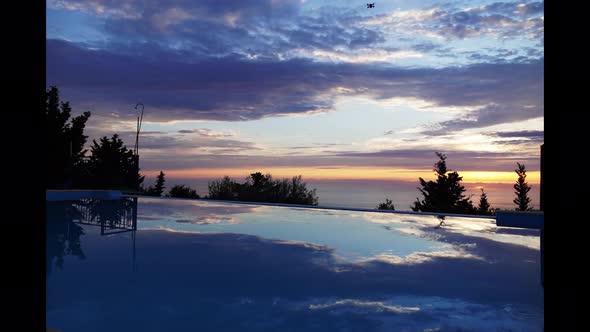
(196,274)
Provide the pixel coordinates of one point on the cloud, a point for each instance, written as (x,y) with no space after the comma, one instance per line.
(524,133)
(411,161)
(488,116)
(511,8)
(364,55)
(234,88)
(207,133)
(224,11)
(183,211)
(97,7)
(501,20)
(513,142)
(348,305)
(272,29)
(165,142)
(421,157)
(209,219)
(258,27)
(229,88)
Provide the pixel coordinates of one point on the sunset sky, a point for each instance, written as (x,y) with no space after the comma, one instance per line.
(325,89)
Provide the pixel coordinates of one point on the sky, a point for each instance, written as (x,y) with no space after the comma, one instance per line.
(325,89)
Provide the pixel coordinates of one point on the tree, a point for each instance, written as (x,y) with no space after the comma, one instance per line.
(158,189)
(113,166)
(224,189)
(521,189)
(259,181)
(181,191)
(387,205)
(262,188)
(484,207)
(258,188)
(65,142)
(299,193)
(444,195)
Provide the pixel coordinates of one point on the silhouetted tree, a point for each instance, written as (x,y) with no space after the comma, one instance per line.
(181,191)
(257,188)
(158,189)
(445,194)
(521,189)
(64,142)
(259,180)
(484,207)
(113,166)
(262,188)
(300,194)
(224,189)
(387,205)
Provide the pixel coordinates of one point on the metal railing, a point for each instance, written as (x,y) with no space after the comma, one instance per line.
(123,219)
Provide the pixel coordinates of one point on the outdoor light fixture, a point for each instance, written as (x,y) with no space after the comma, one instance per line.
(139,121)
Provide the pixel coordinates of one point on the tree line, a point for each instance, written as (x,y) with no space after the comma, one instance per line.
(110,165)
(446,194)
(256,188)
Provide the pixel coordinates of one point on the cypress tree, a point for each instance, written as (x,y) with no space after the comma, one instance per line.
(521,189)
(484,207)
(159,188)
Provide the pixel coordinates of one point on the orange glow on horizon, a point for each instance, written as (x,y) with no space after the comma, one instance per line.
(344,173)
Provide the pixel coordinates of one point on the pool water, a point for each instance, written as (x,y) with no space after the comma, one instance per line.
(151,264)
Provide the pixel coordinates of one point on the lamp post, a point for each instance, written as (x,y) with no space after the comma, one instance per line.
(139,121)
(136,152)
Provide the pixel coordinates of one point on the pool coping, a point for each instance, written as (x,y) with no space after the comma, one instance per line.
(320,207)
(58,195)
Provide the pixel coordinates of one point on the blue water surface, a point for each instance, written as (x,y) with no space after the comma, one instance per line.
(150,264)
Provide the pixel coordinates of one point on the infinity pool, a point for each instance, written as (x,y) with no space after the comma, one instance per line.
(150,264)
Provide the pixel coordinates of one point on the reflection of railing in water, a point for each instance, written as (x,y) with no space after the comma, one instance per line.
(113,216)
(65,217)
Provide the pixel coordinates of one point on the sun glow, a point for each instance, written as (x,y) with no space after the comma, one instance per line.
(343,173)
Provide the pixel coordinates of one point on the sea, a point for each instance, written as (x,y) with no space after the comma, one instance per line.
(367,194)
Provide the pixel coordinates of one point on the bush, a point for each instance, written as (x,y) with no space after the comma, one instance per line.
(224,189)
(181,191)
(262,188)
(387,205)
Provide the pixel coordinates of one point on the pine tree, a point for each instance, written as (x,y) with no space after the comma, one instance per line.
(444,195)
(521,189)
(159,188)
(484,207)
